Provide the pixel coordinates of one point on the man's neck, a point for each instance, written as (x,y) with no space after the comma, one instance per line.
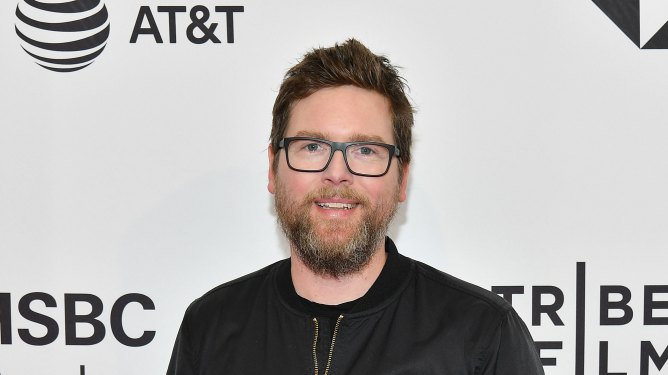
(328,290)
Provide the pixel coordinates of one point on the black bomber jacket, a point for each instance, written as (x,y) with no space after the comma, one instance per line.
(414,320)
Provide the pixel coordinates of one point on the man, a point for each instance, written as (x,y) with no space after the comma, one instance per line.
(346,302)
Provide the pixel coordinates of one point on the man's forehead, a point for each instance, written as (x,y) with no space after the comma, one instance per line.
(342,114)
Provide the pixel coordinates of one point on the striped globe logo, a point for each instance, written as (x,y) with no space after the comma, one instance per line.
(63,36)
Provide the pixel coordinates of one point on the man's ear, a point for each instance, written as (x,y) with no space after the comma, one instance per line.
(272,177)
(404,182)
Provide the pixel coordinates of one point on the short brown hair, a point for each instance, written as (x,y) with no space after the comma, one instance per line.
(350,63)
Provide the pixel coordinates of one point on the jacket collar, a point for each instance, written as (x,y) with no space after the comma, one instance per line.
(395,273)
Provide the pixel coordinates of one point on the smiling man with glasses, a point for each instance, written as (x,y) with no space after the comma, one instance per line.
(346,302)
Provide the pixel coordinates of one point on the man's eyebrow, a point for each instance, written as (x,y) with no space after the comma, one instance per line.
(359,137)
(312,134)
(356,137)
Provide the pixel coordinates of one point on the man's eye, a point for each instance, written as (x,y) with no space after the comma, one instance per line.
(364,150)
(312,147)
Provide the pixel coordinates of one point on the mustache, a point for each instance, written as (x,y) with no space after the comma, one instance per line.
(328,192)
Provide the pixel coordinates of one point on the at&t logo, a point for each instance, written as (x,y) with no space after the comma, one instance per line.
(62,36)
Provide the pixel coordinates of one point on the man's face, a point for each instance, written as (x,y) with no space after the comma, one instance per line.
(336,220)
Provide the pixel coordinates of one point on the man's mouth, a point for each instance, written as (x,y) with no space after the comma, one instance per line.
(336,205)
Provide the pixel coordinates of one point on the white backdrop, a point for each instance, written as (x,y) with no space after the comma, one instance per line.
(540,142)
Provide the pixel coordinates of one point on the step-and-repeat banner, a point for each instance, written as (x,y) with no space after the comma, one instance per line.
(133,166)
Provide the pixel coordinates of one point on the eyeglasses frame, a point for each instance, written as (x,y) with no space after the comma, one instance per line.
(338,146)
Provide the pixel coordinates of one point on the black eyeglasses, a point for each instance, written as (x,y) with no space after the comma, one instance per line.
(307,154)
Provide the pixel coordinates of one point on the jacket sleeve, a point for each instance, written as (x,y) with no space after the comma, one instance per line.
(512,350)
(183,360)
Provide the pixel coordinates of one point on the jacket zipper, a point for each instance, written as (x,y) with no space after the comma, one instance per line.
(331,346)
(315,342)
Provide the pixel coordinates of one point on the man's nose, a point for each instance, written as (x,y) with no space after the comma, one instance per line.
(337,171)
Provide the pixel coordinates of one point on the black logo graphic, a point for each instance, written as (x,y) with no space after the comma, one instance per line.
(62,36)
(626,15)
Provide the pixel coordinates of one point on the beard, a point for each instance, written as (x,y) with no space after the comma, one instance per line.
(328,246)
